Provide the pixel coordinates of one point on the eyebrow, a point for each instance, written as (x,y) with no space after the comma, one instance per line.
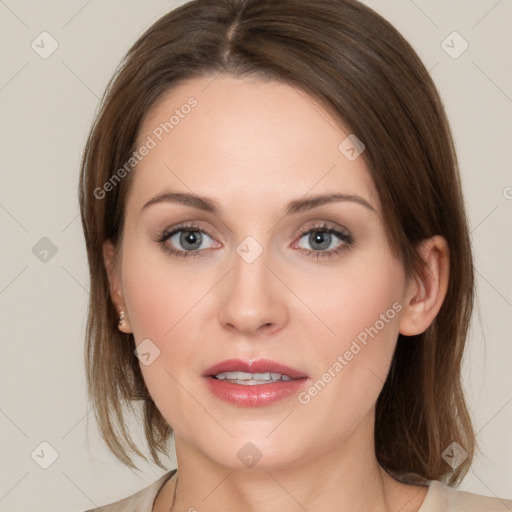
(299,205)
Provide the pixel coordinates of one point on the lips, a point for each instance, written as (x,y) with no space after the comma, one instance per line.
(245,384)
(259,366)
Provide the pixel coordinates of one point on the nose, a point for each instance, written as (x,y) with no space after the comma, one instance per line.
(253,298)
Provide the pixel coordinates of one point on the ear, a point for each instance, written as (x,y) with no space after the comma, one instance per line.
(114,281)
(426,292)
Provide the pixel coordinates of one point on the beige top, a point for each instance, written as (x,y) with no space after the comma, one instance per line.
(439,498)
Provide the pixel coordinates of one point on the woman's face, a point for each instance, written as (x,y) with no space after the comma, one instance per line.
(313,286)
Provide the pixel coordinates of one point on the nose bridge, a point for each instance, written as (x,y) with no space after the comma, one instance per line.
(252,298)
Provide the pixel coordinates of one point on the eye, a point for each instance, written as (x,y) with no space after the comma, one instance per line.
(189,239)
(322,240)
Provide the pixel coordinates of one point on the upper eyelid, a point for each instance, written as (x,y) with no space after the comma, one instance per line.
(192,226)
(324,225)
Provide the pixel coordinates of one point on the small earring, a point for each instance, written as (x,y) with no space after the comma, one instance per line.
(120,323)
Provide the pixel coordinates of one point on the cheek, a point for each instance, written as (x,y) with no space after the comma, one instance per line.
(154,293)
(361,295)
(360,303)
(166,307)
(362,308)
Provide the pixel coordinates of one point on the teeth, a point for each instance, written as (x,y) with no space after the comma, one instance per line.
(252,378)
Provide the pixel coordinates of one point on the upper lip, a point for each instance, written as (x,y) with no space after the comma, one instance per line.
(259,366)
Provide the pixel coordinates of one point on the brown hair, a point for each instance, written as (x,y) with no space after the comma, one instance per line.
(353,61)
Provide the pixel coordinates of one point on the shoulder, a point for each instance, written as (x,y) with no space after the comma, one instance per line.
(142,500)
(441,498)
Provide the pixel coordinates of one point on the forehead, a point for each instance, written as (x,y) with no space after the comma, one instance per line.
(245,140)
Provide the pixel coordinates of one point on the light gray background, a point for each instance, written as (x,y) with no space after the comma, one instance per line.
(47,106)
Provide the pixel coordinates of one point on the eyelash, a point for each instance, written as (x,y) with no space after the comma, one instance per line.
(322,228)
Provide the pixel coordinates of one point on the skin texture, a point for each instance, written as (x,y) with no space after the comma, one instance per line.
(253,146)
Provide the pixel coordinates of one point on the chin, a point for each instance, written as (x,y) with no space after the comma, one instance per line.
(255,453)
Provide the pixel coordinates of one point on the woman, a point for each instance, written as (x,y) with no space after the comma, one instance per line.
(281,273)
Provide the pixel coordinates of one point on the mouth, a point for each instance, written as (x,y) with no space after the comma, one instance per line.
(253,383)
(252,379)
(253,373)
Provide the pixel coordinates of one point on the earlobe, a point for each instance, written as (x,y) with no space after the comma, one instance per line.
(111,267)
(426,291)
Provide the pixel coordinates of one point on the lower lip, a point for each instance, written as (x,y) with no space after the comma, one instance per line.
(257,395)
